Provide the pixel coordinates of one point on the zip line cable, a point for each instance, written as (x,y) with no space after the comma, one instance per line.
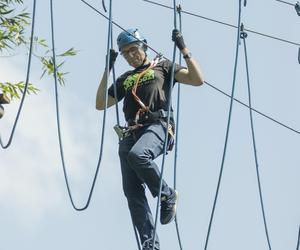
(243,37)
(209,84)
(5,146)
(177,132)
(228,125)
(58,116)
(172,77)
(227,24)
(255,110)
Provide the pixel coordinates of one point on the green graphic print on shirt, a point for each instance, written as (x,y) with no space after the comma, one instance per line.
(130,80)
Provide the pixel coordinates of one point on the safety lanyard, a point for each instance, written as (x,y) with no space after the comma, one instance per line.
(143,108)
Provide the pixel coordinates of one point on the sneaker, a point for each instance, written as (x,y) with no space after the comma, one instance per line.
(168,207)
(147,245)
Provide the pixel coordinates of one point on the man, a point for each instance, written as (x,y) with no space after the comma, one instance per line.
(145,91)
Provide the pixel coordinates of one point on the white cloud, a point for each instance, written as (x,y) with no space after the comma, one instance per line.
(31,176)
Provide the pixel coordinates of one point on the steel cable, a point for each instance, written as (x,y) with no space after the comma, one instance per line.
(228,126)
(58,113)
(5,146)
(229,25)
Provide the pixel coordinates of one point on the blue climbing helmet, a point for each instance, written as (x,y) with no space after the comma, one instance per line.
(130,36)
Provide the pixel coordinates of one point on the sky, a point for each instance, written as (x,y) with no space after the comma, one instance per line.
(35,211)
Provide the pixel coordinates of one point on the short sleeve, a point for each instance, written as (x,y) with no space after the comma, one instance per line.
(119,89)
(167,66)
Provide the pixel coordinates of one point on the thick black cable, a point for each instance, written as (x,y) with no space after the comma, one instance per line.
(5,146)
(227,24)
(298,242)
(244,35)
(167,134)
(228,125)
(179,9)
(58,116)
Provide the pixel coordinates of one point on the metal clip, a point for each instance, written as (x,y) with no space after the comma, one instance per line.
(122,132)
(243,34)
(178,8)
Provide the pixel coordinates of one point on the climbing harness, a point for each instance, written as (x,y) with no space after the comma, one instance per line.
(144,116)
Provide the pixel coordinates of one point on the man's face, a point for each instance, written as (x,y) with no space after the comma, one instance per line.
(134,54)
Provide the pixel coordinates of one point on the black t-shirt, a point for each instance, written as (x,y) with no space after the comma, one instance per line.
(153,88)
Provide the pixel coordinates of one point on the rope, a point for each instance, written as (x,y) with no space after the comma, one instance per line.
(58,116)
(244,36)
(5,146)
(229,25)
(103,5)
(228,126)
(166,136)
(179,9)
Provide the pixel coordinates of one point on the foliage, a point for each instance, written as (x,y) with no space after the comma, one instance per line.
(13,90)
(13,23)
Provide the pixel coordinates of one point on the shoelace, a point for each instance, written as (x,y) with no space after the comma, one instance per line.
(168,203)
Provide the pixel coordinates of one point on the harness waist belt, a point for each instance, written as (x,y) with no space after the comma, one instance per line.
(151,116)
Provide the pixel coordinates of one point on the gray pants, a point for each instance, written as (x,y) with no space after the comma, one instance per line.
(137,153)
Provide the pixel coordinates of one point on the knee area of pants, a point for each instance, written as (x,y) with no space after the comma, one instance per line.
(135,158)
